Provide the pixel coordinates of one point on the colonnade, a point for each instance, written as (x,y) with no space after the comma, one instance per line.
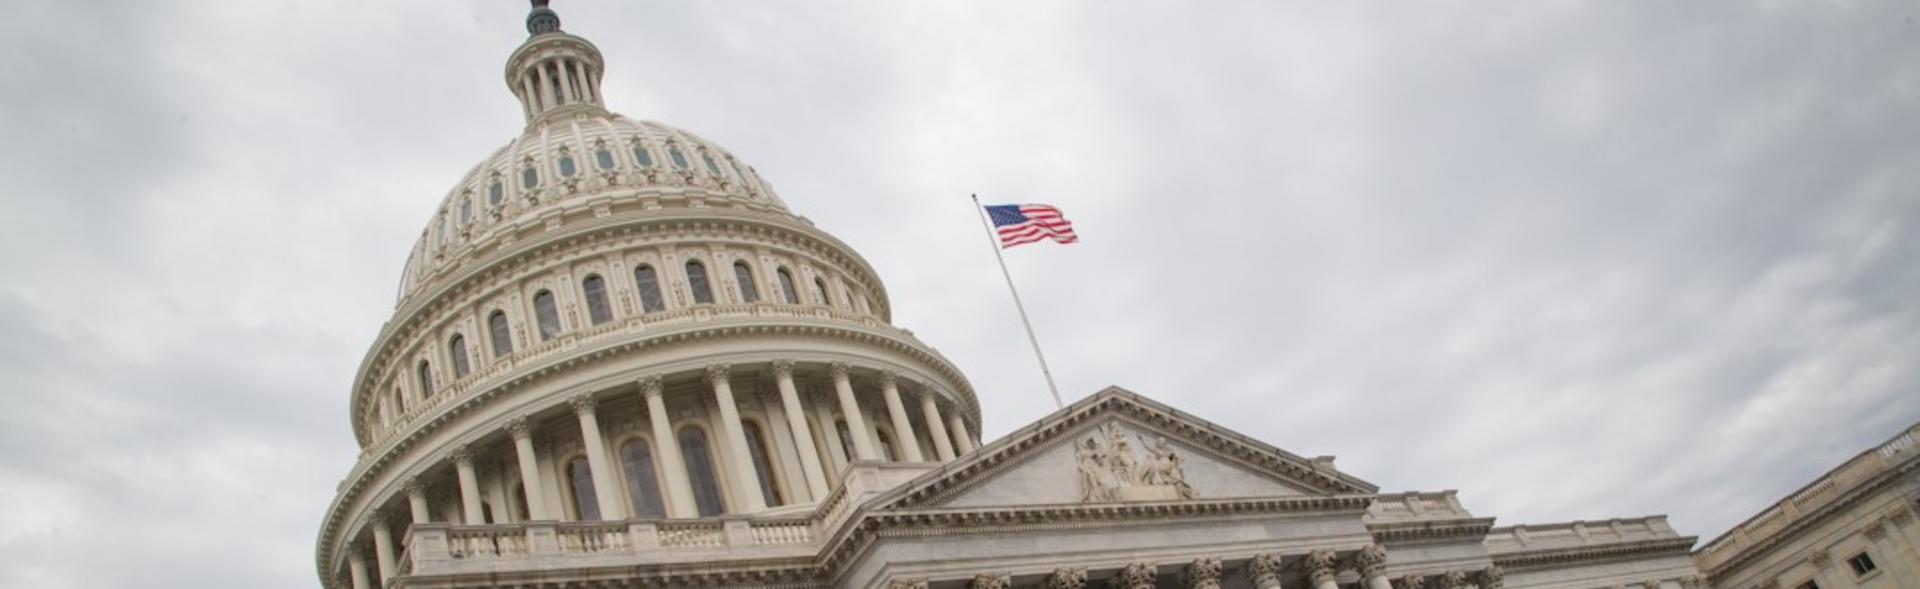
(1318,569)
(946,429)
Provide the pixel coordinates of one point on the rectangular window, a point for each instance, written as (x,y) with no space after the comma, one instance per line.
(1861,563)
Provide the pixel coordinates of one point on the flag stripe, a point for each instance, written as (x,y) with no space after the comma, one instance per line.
(1029,223)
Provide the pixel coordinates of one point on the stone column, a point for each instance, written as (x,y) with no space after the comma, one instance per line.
(469,486)
(357,568)
(1066,579)
(1319,568)
(672,466)
(605,493)
(1202,573)
(383,549)
(962,439)
(1371,563)
(1893,556)
(417,501)
(802,434)
(546,88)
(1264,571)
(1137,575)
(1821,561)
(835,451)
(529,468)
(1492,578)
(850,409)
(902,427)
(999,581)
(744,473)
(930,411)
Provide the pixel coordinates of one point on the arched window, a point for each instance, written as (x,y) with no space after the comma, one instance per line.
(820,290)
(546,314)
(649,284)
(699,462)
(762,464)
(712,170)
(497,329)
(519,502)
(642,156)
(679,159)
(598,311)
(846,439)
(743,274)
(642,486)
(457,348)
(697,282)
(886,445)
(786,287)
(580,478)
(426,379)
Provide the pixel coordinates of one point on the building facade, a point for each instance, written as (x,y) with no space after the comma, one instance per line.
(619,359)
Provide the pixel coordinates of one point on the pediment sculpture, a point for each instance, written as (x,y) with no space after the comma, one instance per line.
(1113,468)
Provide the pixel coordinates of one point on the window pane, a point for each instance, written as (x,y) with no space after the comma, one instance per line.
(494,192)
(712,170)
(743,274)
(886,446)
(604,158)
(458,349)
(649,284)
(641,483)
(502,339)
(846,439)
(426,379)
(580,477)
(697,282)
(642,156)
(546,314)
(762,467)
(679,159)
(786,287)
(820,289)
(706,488)
(598,311)
(566,166)
(466,210)
(529,178)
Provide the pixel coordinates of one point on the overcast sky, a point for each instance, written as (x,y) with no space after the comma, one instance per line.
(1576,260)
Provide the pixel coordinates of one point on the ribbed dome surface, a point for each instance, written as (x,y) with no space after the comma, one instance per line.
(569,161)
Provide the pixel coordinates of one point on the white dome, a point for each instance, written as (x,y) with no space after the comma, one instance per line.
(569,162)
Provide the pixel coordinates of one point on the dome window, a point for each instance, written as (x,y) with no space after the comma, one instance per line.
(457,348)
(426,379)
(786,287)
(598,311)
(567,169)
(603,158)
(580,478)
(762,464)
(820,289)
(712,169)
(649,283)
(529,177)
(642,486)
(495,192)
(697,282)
(502,338)
(743,274)
(679,159)
(546,314)
(642,156)
(700,472)
(466,209)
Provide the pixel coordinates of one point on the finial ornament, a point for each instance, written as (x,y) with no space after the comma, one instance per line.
(542,20)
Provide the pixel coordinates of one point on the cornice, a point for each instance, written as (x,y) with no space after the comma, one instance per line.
(1847,500)
(1474,528)
(1546,557)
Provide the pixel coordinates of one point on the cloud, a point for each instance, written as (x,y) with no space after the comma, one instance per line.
(1575,260)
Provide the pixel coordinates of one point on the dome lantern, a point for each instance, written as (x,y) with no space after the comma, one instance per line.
(554,73)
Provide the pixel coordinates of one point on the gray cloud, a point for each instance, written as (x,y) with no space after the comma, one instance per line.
(1575,260)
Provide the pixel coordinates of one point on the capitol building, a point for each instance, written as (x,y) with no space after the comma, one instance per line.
(620,359)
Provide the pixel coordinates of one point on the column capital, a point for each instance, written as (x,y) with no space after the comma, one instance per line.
(998,581)
(717,373)
(1137,575)
(651,385)
(839,370)
(583,403)
(1452,580)
(1066,579)
(1370,561)
(519,428)
(783,368)
(376,520)
(1202,573)
(1821,559)
(1693,582)
(462,456)
(1318,565)
(1875,531)
(1900,516)
(1493,577)
(889,378)
(1411,582)
(1264,570)
(416,487)
(907,584)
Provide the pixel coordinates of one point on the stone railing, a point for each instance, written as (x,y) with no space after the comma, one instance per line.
(435,548)
(1580,533)
(1809,500)
(1416,506)
(491,371)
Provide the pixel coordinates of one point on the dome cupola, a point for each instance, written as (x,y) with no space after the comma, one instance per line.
(554,73)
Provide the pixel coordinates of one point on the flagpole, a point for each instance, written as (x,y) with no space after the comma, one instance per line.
(994,242)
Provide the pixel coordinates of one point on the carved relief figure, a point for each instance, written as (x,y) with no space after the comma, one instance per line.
(1110,469)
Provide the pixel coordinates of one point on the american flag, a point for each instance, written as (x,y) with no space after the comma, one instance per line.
(1022,224)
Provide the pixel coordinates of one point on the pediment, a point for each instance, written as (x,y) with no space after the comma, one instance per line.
(1119,447)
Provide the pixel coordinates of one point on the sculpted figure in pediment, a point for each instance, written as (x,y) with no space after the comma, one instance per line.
(1111,470)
